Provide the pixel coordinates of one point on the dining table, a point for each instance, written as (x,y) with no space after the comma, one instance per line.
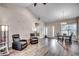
(64,37)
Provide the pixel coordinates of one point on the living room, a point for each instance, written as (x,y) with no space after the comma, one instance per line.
(37,25)
(19,21)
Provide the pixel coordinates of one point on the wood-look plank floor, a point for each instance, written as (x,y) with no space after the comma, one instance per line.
(39,49)
(49,47)
(57,48)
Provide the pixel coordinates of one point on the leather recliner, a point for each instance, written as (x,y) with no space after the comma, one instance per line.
(17,43)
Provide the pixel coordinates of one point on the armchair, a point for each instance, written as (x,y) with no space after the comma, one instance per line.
(17,43)
(33,38)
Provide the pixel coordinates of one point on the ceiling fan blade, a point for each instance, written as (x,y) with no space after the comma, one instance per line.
(44,3)
(35,4)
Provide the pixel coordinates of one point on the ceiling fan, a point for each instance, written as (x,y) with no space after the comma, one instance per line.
(37,3)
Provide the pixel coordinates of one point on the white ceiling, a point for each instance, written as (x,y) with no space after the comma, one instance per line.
(51,11)
(55,11)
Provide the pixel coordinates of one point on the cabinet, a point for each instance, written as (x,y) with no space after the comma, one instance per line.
(4,40)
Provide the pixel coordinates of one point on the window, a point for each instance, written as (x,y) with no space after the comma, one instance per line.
(68,29)
(64,27)
(53,30)
(46,30)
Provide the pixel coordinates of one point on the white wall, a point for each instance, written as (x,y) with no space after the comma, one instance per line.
(42,29)
(19,20)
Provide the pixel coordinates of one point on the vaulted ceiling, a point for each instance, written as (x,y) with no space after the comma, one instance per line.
(51,11)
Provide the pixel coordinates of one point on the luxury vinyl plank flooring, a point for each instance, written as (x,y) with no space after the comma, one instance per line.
(39,49)
(57,48)
(49,47)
